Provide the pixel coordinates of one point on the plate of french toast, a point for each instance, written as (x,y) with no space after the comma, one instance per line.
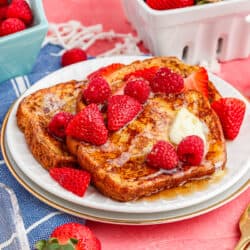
(131,134)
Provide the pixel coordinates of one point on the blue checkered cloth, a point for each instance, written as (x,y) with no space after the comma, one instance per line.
(39,219)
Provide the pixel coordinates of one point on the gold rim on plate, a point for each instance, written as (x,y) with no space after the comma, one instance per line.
(102,219)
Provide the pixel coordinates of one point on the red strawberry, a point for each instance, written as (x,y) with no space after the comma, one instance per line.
(121,110)
(137,88)
(198,81)
(73,56)
(3,11)
(169,4)
(59,123)
(11,25)
(97,91)
(148,74)
(190,150)
(162,155)
(74,180)
(231,112)
(20,9)
(105,71)
(3,2)
(88,125)
(166,81)
(70,236)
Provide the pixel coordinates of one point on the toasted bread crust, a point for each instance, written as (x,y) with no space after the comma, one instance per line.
(33,116)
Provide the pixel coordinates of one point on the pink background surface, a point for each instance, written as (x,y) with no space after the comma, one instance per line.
(214,230)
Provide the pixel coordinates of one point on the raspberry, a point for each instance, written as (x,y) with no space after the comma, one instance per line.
(190,150)
(97,91)
(231,112)
(11,25)
(138,89)
(166,81)
(88,125)
(21,10)
(73,56)
(59,123)
(121,110)
(163,155)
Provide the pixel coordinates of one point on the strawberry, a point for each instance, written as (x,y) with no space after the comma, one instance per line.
(11,25)
(97,91)
(88,125)
(162,155)
(137,88)
(3,11)
(198,81)
(59,123)
(121,110)
(3,2)
(190,150)
(74,180)
(169,4)
(20,9)
(105,71)
(231,112)
(73,56)
(147,73)
(70,236)
(166,81)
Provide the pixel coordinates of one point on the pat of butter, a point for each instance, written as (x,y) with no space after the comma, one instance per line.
(185,124)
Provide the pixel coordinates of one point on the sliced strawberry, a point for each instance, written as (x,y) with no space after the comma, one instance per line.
(147,73)
(197,80)
(74,180)
(70,236)
(231,112)
(88,125)
(105,71)
(121,110)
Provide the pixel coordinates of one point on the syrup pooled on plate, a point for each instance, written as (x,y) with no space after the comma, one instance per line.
(188,188)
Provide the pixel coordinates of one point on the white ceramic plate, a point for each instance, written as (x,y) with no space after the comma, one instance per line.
(119,217)
(237,165)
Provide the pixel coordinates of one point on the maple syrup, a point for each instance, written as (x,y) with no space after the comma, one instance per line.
(189,187)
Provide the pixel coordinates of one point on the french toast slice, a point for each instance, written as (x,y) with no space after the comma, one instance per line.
(116,79)
(33,116)
(119,169)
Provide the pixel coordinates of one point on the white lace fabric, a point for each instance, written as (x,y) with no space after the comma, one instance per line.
(73,34)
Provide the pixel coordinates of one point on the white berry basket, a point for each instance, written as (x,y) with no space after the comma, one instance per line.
(198,33)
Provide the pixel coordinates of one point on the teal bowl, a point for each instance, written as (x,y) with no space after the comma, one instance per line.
(19,51)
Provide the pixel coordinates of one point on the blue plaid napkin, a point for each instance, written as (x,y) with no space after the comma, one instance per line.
(39,219)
